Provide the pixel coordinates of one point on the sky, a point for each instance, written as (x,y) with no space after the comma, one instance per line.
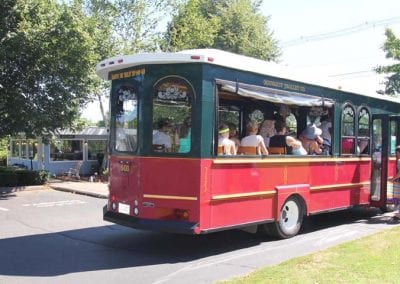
(338,39)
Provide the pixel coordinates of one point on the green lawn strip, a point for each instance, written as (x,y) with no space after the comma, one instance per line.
(373,259)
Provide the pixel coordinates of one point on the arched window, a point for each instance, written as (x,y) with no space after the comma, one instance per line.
(172,115)
(363,139)
(256,115)
(126,106)
(291,123)
(348,129)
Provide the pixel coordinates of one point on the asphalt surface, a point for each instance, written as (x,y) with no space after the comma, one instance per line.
(50,236)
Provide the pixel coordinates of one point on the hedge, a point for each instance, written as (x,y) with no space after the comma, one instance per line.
(20,177)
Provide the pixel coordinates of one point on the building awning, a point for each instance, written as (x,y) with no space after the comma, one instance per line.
(99,133)
(274,95)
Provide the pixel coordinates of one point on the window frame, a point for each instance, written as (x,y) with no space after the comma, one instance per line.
(191,95)
(365,137)
(62,154)
(342,129)
(114,116)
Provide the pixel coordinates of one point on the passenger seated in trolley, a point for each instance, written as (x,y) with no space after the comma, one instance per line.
(311,139)
(254,140)
(281,139)
(183,136)
(326,125)
(225,145)
(233,134)
(162,139)
(267,130)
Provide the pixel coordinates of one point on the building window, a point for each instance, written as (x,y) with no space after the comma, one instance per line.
(66,150)
(96,149)
(15,148)
(32,150)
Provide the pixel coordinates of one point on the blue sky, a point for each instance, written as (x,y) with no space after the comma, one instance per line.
(348,34)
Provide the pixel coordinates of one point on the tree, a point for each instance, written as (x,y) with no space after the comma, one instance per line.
(392,49)
(123,27)
(192,27)
(245,31)
(46,59)
(233,25)
(3,151)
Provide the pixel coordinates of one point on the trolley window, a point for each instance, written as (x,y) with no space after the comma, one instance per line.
(126,119)
(363,139)
(348,127)
(172,115)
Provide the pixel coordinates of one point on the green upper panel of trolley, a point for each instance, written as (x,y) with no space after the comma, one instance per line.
(224,59)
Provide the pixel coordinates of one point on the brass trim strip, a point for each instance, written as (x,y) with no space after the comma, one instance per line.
(169,197)
(337,186)
(287,160)
(243,195)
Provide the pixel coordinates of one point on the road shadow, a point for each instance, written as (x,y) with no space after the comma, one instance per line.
(366,215)
(6,196)
(110,247)
(114,246)
(10,192)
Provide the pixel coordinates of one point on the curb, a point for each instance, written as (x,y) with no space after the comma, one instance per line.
(77,191)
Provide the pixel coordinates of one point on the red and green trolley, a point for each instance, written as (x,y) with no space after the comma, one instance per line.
(186,187)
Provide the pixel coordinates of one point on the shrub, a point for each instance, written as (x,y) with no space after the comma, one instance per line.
(8,178)
(19,177)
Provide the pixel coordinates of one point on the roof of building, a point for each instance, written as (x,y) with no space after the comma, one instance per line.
(86,133)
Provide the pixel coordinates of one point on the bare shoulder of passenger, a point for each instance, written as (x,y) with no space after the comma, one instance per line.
(292,141)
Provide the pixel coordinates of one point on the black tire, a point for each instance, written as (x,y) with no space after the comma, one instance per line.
(290,219)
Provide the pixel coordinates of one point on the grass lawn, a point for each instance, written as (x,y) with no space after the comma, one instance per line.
(373,259)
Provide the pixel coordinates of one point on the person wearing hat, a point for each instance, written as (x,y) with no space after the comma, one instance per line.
(224,141)
(311,139)
(161,137)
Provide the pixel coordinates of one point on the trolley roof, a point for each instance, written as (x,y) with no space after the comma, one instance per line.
(225,59)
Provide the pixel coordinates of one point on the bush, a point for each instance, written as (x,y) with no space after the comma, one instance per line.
(8,178)
(18,177)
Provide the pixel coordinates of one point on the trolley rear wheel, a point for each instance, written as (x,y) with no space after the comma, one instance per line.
(290,219)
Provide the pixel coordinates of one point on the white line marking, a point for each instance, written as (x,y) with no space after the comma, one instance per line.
(4,209)
(55,203)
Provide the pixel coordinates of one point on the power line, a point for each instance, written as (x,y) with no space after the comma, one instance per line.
(343,32)
(357,74)
(352,73)
(339,61)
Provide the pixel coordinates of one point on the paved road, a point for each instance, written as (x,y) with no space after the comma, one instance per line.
(58,237)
